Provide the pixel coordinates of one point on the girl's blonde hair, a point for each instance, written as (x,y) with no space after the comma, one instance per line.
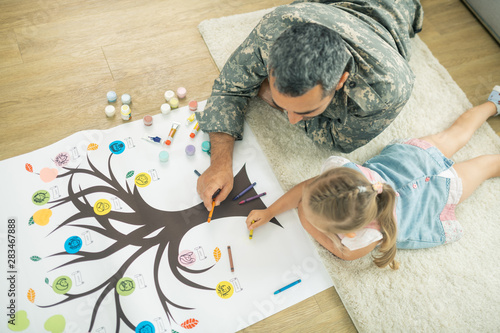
(347,199)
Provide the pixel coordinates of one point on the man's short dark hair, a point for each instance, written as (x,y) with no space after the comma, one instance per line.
(304,55)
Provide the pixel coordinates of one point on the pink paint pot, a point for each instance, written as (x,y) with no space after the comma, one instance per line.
(148,120)
(193,105)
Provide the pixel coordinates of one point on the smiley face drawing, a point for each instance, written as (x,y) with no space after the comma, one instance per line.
(102,207)
(125,286)
(117,147)
(73,244)
(143,179)
(40,197)
(224,289)
(62,284)
(187,258)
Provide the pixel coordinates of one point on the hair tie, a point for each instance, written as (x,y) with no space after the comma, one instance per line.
(362,189)
(378,187)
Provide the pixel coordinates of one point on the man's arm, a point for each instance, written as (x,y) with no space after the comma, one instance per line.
(224,114)
(220,173)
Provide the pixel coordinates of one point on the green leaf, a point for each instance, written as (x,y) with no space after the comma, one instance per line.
(35,258)
(31,221)
(130,174)
(174,331)
(47,280)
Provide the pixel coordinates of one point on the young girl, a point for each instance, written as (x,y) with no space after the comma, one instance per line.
(405,197)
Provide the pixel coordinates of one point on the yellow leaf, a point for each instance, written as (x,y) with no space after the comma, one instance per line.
(92,146)
(31,295)
(217,254)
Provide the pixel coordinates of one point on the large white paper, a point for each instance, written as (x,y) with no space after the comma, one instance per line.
(150,262)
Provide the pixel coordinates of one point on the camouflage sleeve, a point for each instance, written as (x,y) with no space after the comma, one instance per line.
(239,80)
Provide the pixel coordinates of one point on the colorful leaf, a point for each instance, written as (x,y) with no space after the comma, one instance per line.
(35,258)
(190,323)
(92,146)
(31,295)
(47,280)
(217,254)
(29,167)
(130,174)
(32,221)
(174,331)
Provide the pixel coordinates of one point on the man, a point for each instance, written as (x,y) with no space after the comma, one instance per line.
(338,69)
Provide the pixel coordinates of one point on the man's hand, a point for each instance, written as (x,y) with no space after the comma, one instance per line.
(220,173)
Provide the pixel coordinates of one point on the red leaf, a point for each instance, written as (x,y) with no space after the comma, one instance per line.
(190,323)
(29,167)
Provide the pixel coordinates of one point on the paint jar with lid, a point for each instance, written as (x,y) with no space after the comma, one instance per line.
(126,112)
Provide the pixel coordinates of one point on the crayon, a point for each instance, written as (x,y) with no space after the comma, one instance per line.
(230,258)
(252,198)
(251,231)
(244,191)
(287,286)
(211,212)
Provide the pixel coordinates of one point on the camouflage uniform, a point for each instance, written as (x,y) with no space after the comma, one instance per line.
(376,34)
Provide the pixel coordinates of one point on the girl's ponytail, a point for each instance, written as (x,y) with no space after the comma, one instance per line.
(386,202)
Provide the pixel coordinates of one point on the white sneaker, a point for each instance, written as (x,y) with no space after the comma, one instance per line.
(495,98)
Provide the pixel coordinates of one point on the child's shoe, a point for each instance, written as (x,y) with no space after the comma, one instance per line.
(495,98)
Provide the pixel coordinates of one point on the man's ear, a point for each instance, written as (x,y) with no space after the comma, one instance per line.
(343,78)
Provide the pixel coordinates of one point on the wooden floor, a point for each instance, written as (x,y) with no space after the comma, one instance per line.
(59,58)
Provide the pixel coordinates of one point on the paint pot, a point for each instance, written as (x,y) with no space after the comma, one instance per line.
(109,110)
(190,150)
(126,99)
(163,156)
(148,120)
(193,106)
(126,113)
(169,94)
(181,92)
(165,108)
(205,146)
(174,103)
(111,96)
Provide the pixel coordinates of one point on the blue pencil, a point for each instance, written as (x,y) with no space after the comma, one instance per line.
(244,191)
(288,286)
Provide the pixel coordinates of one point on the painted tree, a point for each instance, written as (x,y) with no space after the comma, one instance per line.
(167,227)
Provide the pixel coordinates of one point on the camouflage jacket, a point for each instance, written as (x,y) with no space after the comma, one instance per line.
(377,35)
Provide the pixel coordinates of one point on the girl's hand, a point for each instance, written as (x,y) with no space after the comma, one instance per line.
(260,217)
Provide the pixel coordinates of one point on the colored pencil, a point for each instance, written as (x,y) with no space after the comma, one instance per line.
(230,258)
(211,212)
(251,231)
(244,191)
(252,198)
(287,286)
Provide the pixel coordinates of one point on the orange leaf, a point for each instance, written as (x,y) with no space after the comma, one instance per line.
(31,295)
(217,254)
(92,146)
(29,167)
(190,323)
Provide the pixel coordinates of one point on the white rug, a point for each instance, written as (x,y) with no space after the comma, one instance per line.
(451,288)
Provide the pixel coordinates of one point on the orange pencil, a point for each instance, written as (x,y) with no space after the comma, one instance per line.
(211,212)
